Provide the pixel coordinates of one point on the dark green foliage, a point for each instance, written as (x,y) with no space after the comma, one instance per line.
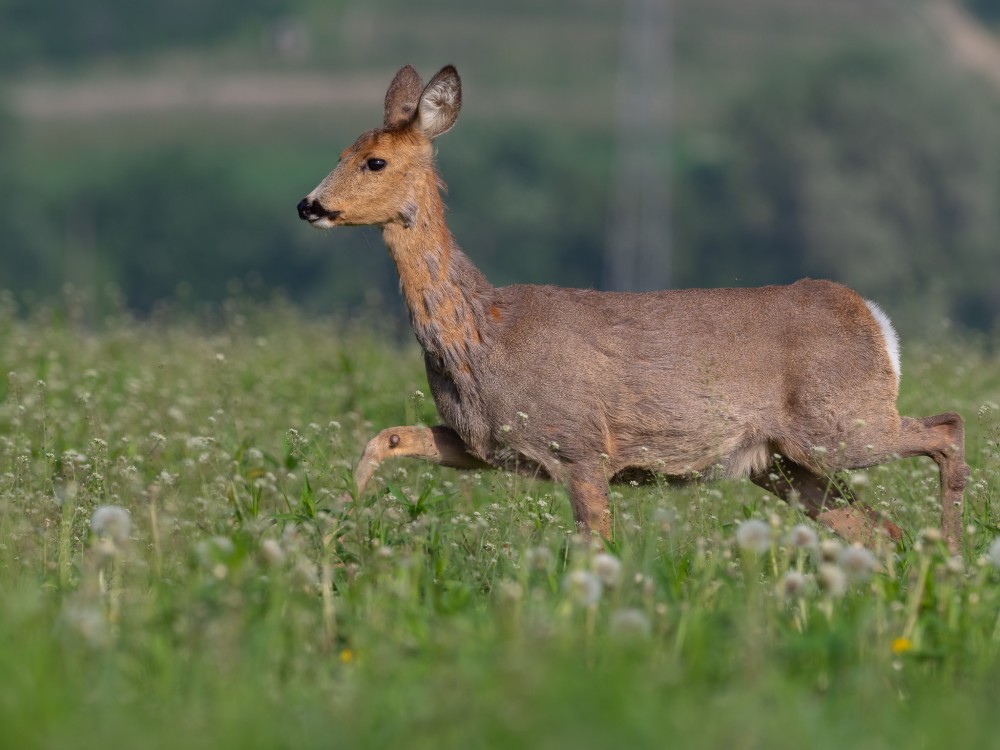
(69,32)
(868,167)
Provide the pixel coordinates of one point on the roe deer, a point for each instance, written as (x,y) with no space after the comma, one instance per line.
(781,384)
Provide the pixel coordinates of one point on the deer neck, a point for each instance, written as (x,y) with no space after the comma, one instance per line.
(444,292)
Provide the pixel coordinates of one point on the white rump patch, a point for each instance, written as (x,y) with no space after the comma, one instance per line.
(888,335)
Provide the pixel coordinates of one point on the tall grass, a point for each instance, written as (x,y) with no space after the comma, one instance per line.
(243,599)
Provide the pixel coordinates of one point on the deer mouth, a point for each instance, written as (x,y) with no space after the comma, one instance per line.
(314,213)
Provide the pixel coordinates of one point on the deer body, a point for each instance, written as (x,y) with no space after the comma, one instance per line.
(781,384)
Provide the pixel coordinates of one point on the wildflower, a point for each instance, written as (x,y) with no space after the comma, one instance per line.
(803,537)
(346,656)
(630,623)
(753,536)
(111,522)
(994,553)
(583,588)
(901,645)
(857,562)
(832,580)
(793,584)
(607,568)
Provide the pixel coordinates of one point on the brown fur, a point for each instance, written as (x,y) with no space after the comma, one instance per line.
(587,387)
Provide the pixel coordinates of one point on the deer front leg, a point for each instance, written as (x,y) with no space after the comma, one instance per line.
(439,444)
(588,494)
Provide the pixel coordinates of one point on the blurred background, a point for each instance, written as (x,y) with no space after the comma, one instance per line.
(159,149)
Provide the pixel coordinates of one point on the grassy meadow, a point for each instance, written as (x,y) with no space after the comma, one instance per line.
(178,567)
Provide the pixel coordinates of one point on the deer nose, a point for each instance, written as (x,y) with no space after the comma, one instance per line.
(310,210)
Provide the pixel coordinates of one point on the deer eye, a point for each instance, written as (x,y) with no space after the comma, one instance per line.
(376,165)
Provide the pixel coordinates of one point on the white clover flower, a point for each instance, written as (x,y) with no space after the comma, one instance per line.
(857,562)
(753,536)
(793,584)
(832,580)
(994,554)
(112,522)
(607,568)
(630,623)
(803,537)
(583,588)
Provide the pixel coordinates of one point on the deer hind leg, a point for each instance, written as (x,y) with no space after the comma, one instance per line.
(588,494)
(439,444)
(827,502)
(941,438)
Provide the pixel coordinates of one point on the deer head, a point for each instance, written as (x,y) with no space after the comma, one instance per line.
(378,176)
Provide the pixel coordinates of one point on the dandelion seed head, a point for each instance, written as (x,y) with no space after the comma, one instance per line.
(829,550)
(607,568)
(793,584)
(857,562)
(753,536)
(511,592)
(803,537)
(832,580)
(112,522)
(630,623)
(583,588)
(859,479)
(539,558)
(271,552)
(932,535)
(994,554)
(955,565)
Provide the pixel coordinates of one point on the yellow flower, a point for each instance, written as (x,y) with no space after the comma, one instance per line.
(902,645)
(346,656)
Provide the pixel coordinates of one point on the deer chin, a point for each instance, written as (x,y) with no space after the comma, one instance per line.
(322,222)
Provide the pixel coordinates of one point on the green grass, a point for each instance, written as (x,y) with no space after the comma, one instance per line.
(250,606)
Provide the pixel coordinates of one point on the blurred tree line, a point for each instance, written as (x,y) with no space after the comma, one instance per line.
(869,164)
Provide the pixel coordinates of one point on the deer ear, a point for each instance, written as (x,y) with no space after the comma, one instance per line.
(402,96)
(439,104)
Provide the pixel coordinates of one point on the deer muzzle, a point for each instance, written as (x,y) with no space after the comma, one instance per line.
(310,210)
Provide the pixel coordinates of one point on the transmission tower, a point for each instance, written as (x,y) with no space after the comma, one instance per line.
(638,243)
